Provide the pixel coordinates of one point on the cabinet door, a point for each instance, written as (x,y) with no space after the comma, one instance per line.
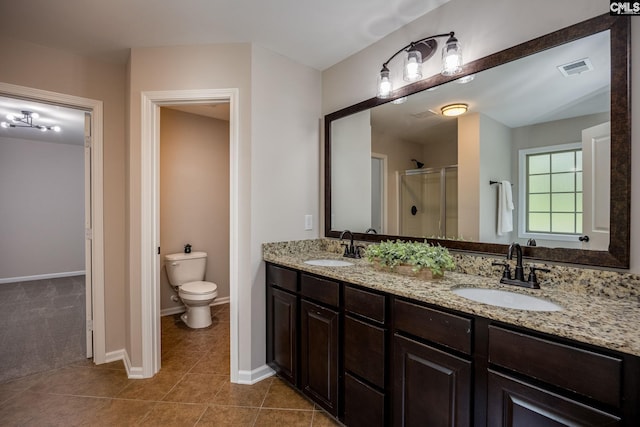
(282,319)
(364,406)
(431,387)
(319,354)
(513,403)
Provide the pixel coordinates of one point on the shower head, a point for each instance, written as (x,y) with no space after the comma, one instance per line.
(419,165)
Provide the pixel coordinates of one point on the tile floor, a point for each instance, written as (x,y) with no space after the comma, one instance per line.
(191,389)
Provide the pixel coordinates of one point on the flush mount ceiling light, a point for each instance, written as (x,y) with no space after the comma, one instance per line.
(26,121)
(416,53)
(453,110)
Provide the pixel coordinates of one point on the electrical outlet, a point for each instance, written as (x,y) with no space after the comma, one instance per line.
(308,222)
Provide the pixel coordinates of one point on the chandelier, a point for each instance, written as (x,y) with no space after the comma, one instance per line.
(26,121)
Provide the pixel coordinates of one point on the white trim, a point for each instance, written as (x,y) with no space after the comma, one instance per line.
(257,375)
(96,287)
(149,262)
(522,192)
(41,277)
(133,372)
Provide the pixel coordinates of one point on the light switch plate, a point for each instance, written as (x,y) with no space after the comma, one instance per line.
(308,222)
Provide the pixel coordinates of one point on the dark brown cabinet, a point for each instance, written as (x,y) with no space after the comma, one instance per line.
(431,386)
(541,382)
(282,323)
(365,358)
(375,359)
(319,331)
(513,403)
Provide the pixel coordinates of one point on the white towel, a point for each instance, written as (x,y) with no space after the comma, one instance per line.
(505,208)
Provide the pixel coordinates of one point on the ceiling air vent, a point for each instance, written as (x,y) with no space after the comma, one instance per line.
(576,67)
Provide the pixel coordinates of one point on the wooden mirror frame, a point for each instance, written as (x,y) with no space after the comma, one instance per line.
(617,255)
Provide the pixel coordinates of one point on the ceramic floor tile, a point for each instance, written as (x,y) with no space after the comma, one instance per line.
(242,395)
(283,396)
(168,414)
(283,417)
(84,382)
(119,412)
(228,416)
(42,409)
(152,388)
(196,388)
(320,419)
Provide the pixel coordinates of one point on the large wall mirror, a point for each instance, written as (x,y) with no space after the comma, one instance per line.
(549,119)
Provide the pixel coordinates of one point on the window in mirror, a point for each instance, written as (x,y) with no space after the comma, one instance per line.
(553,200)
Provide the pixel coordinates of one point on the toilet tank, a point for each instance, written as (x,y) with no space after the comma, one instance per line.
(185,268)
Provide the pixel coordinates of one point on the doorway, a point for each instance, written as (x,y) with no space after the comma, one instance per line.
(150,224)
(92,123)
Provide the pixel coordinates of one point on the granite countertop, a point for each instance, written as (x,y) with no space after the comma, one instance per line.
(606,322)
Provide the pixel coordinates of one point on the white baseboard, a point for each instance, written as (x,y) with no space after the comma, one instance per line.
(180,308)
(257,375)
(41,277)
(133,372)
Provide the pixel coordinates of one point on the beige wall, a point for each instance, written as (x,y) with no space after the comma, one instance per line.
(38,67)
(484,27)
(185,68)
(194,194)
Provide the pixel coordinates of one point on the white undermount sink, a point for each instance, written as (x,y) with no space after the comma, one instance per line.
(507,299)
(329,262)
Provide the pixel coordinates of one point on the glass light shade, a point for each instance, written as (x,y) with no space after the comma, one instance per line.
(4,125)
(453,110)
(385,88)
(451,57)
(56,128)
(412,66)
(11,117)
(34,115)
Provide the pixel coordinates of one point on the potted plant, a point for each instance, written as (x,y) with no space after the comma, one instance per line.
(419,259)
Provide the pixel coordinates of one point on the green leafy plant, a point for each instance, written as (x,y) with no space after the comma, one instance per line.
(419,255)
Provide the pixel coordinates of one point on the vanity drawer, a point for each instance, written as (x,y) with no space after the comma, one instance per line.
(321,290)
(364,350)
(585,372)
(365,304)
(433,325)
(282,278)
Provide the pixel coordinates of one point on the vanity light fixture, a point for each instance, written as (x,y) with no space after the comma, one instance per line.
(453,110)
(416,53)
(26,121)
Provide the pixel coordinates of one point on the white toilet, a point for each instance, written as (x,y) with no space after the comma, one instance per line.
(186,274)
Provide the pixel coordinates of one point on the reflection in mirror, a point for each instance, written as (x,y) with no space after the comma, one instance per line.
(537,133)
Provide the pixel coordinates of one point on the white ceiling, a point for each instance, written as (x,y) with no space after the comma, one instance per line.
(315,33)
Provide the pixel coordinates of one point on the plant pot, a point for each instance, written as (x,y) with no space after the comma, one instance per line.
(407,270)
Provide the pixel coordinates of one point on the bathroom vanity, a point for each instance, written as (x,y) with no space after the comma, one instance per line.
(375,348)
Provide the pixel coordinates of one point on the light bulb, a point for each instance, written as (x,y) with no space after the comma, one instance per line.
(56,128)
(42,128)
(35,115)
(384,84)
(451,57)
(11,117)
(4,125)
(413,66)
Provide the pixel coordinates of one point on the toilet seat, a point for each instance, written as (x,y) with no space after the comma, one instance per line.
(198,290)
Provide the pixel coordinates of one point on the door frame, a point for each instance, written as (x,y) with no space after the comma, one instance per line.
(94,286)
(151,101)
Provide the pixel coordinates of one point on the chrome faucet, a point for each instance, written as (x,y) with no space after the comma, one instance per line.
(531,282)
(350,251)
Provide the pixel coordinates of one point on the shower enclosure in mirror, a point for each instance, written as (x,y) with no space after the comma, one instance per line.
(559,96)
